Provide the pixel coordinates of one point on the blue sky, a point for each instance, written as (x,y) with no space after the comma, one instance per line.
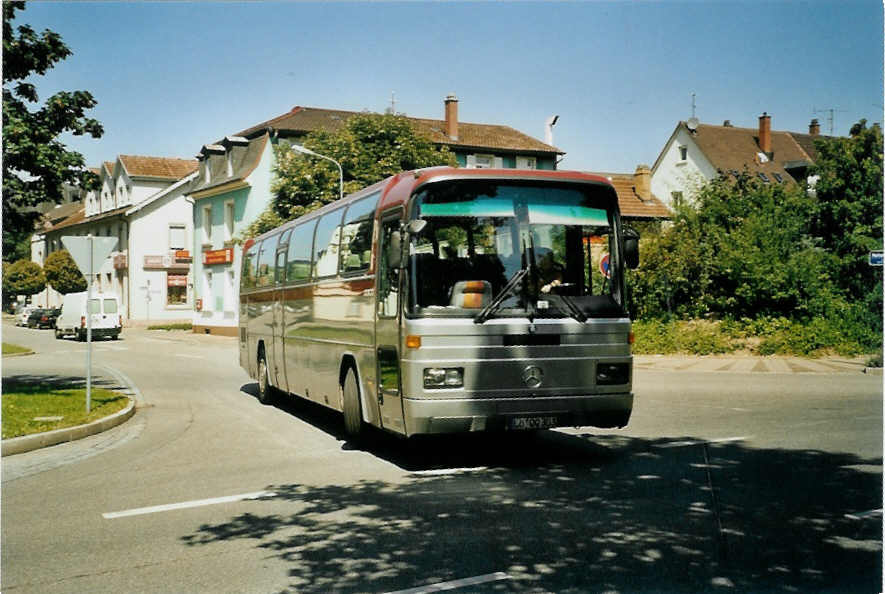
(170,77)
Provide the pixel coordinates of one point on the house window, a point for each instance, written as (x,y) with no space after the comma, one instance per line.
(177,238)
(229,293)
(205,166)
(482,161)
(176,289)
(676,198)
(207,290)
(764,177)
(207,224)
(526,163)
(228,220)
(230,162)
(683,153)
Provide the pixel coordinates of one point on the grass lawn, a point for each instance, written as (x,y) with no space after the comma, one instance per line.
(24,404)
(13,349)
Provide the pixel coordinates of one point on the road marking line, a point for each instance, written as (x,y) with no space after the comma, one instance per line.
(186,504)
(864,515)
(447,471)
(693,442)
(472,581)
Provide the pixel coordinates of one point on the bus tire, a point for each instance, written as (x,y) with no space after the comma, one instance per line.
(265,390)
(353,418)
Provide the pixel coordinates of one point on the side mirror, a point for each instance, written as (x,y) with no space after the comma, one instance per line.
(395,250)
(415,226)
(631,248)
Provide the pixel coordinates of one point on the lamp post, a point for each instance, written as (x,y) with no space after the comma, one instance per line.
(307,151)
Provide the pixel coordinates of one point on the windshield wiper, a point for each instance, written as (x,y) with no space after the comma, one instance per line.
(572,307)
(489,309)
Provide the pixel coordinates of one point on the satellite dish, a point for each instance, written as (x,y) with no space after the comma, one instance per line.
(692,123)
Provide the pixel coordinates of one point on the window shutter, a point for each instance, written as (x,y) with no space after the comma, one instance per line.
(471,161)
(499,162)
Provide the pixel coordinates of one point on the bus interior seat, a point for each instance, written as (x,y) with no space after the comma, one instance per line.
(471,294)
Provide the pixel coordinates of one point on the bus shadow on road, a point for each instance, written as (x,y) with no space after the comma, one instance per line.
(643,516)
(440,452)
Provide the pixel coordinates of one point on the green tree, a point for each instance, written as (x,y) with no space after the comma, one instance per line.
(23,277)
(35,162)
(743,250)
(62,273)
(848,218)
(369,147)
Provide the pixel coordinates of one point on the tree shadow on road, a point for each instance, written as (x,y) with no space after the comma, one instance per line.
(567,513)
(34,382)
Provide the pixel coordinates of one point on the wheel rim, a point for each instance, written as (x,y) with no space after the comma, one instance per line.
(262,377)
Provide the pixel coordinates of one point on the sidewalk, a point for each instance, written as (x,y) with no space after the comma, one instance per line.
(754,364)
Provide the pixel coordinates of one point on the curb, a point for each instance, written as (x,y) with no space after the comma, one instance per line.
(873,370)
(27,443)
(10,355)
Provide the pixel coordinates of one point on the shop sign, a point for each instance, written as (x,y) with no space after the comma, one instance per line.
(176,280)
(183,256)
(121,261)
(222,256)
(165,262)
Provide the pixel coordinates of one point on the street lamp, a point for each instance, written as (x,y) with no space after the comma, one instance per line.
(307,151)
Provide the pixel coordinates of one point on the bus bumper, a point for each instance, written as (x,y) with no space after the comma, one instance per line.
(496,414)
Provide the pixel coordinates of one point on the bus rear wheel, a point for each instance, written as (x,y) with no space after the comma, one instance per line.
(353,418)
(265,390)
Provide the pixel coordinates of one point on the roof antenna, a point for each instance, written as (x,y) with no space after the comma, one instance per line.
(392,109)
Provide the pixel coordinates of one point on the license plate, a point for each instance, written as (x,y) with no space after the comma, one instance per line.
(533,422)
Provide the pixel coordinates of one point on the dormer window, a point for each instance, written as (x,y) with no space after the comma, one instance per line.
(206,174)
(230,162)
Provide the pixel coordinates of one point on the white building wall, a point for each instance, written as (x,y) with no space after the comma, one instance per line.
(149,235)
(674,174)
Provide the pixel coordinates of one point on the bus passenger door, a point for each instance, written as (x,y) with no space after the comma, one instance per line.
(279,317)
(387,331)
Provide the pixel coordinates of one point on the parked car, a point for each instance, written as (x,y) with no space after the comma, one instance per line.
(21,318)
(34,319)
(104,309)
(43,318)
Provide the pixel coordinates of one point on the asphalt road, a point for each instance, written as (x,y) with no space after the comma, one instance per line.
(722,482)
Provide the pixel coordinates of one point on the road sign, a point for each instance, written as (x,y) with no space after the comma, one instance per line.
(81,247)
(876,258)
(605,267)
(89,253)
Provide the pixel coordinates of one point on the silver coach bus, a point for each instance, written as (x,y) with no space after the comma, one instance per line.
(448,300)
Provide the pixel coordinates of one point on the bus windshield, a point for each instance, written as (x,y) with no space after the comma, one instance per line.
(503,248)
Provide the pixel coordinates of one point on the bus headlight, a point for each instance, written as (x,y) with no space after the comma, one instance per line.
(438,377)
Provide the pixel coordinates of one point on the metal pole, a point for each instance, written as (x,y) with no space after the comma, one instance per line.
(89,330)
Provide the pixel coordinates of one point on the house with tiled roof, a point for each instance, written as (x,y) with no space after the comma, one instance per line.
(235,174)
(474,145)
(141,202)
(636,200)
(696,153)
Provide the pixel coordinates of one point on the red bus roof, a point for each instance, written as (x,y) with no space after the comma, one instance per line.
(400,187)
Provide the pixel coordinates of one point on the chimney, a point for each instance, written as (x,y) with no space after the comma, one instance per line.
(452,117)
(765,133)
(642,182)
(814,127)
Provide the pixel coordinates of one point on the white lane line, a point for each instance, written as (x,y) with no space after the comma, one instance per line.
(873,513)
(692,442)
(472,581)
(448,471)
(186,504)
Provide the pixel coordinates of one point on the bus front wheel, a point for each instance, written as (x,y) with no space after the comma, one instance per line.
(353,419)
(265,391)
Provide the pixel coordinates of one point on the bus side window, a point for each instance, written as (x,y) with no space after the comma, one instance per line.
(250,266)
(298,259)
(325,249)
(266,261)
(356,235)
(388,285)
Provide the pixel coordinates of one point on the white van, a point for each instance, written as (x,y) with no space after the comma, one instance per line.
(104,309)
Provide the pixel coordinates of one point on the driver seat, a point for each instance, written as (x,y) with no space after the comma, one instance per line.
(472,294)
